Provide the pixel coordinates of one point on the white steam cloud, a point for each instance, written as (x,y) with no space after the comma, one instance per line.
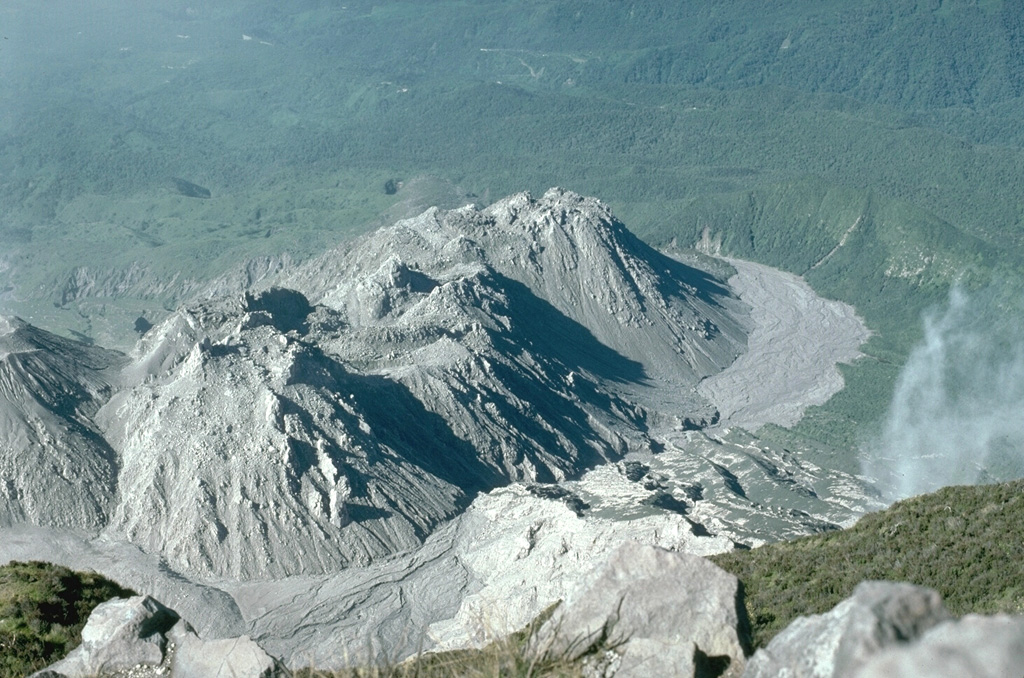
(957,414)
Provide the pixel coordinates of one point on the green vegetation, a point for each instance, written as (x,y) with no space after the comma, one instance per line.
(43,608)
(965,542)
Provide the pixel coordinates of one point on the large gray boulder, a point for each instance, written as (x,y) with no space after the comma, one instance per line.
(120,634)
(222,658)
(141,636)
(976,646)
(832,645)
(659,613)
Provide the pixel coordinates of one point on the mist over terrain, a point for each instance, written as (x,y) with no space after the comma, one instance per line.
(957,414)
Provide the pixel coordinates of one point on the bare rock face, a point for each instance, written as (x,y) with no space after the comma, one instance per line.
(55,467)
(975,645)
(677,323)
(283,472)
(119,635)
(836,644)
(411,432)
(221,658)
(663,614)
(141,637)
(893,630)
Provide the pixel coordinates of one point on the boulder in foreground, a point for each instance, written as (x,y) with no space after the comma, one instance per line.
(976,646)
(142,636)
(878,615)
(655,613)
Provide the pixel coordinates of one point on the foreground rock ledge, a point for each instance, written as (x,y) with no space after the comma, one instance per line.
(663,613)
(647,612)
(141,636)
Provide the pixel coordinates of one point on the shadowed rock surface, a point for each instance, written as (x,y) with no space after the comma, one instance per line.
(55,466)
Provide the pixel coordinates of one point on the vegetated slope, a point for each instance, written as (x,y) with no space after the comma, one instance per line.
(43,608)
(55,466)
(446,355)
(650,107)
(891,260)
(965,542)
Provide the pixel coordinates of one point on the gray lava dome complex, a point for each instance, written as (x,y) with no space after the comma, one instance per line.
(344,413)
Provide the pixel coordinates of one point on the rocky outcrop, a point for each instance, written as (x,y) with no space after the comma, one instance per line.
(837,643)
(348,415)
(119,635)
(568,251)
(416,424)
(223,658)
(893,630)
(652,612)
(976,646)
(141,636)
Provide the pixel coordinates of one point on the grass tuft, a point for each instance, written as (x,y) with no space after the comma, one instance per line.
(523,654)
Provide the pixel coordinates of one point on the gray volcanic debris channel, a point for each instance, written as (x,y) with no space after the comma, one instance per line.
(797,340)
(348,414)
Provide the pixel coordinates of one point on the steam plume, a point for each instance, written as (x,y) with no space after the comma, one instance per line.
(957,414)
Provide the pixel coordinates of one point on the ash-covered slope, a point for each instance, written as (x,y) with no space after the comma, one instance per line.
(675,321)
(55,467)
(303,430)
(247,451)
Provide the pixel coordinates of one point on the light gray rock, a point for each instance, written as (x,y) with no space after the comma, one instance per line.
(55,467)
(664,614)
(140,637)
(119,635)
(223,658)
(525,553)
(350,414)
(975,645)
(568,250)
(835,644)
(487,573)
(344,418)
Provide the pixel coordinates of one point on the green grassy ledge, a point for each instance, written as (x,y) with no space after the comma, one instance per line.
(965,542)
